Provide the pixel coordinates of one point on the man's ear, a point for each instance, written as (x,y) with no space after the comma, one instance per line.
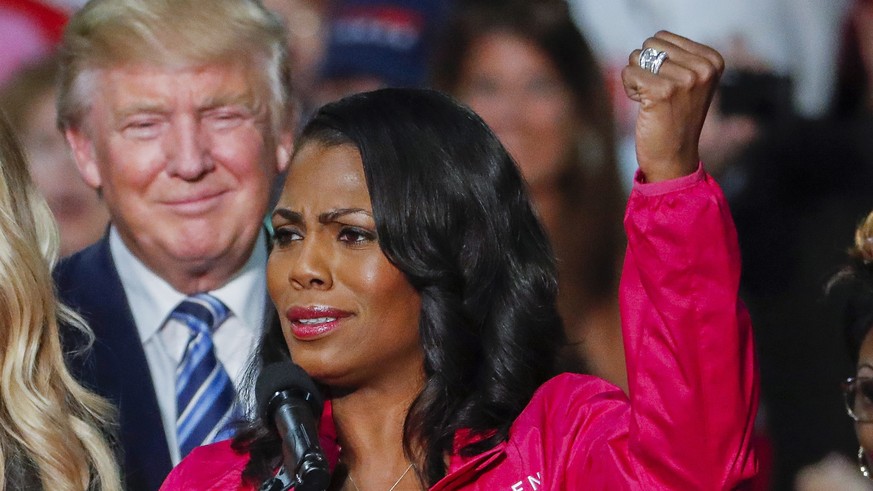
(284,150)
(85,155)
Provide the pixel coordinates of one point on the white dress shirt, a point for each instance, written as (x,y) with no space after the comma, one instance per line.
(151,301)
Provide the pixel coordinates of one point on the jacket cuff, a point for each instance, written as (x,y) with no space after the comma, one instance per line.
(668,186)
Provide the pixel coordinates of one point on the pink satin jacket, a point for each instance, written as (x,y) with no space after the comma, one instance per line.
(693,387)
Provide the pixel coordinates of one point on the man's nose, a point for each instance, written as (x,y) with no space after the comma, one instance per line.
(189,158)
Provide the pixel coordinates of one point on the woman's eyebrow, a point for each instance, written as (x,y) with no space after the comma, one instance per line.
(293,217)
(333,215)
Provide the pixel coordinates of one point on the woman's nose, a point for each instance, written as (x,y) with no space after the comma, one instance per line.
(310,268)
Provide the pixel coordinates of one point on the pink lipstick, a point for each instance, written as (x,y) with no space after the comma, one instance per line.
(314,321)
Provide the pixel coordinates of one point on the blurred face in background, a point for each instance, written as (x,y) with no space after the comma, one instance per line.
(305,21)
(81,215)
(864,400)
(518,91)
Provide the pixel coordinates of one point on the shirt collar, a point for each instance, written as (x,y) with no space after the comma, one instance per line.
(246,293)
(152,299)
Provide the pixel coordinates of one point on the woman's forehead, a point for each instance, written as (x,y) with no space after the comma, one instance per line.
(326,175)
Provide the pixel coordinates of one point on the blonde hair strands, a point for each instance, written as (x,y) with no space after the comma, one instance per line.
(48,421)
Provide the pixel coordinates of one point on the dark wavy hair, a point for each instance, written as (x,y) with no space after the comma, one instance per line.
(452,214)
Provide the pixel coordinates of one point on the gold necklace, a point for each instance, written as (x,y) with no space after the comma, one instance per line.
(352,480)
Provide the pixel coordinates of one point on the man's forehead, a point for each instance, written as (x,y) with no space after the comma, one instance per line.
(196,85)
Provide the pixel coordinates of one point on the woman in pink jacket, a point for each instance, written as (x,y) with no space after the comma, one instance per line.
(414,284)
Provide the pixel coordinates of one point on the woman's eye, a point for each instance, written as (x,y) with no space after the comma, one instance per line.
(543,86)
(865,388)
(482,87)
(284,236)
(355,236)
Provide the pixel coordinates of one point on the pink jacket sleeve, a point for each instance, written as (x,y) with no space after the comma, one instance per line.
(692,373)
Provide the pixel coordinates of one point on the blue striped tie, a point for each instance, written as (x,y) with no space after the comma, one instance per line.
(204,393)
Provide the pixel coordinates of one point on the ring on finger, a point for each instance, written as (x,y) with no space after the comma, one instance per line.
(647,57)
(655,67)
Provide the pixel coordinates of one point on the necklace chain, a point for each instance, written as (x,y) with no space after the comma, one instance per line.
(410,466)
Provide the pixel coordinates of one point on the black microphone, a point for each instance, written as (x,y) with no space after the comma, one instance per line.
(289,400)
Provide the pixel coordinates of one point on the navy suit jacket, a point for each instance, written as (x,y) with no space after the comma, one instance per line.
(115,367)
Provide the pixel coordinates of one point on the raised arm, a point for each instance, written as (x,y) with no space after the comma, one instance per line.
(691,368)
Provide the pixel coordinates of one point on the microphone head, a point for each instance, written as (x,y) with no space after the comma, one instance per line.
(285,376)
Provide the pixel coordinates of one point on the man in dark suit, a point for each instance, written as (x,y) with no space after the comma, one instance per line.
(178,114)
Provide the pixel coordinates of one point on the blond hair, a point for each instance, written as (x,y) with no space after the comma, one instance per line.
(863,249)
(51,428)
(173,34)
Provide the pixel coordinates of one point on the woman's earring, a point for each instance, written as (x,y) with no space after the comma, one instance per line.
(862,463)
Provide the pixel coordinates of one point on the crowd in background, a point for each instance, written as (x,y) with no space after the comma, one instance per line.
(789,140)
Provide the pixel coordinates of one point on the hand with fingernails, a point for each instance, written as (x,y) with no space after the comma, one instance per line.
(673,79)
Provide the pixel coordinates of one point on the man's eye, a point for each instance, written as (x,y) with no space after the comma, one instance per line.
(225,118)
(142,129)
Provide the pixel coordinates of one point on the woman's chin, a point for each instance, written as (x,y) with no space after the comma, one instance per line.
(323,369)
